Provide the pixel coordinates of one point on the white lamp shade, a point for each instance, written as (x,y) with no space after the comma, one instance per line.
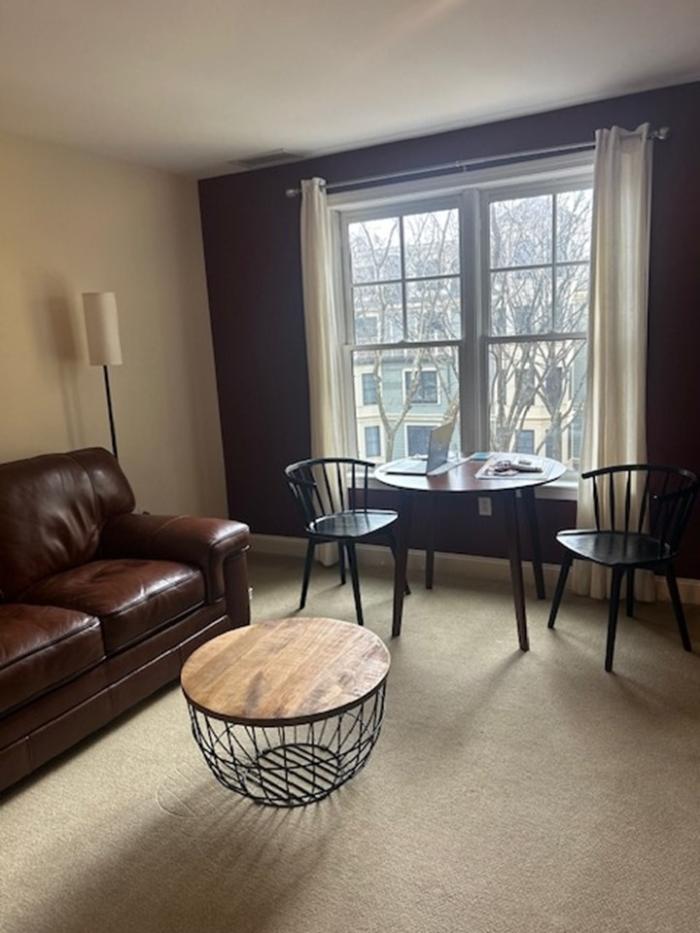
(102,328)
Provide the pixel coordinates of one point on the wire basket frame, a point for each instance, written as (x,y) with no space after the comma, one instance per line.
(290,765)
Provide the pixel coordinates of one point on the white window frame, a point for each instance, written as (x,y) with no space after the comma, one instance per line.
(472,194)
(487,198)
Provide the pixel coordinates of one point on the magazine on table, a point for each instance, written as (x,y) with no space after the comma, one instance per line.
(507,466)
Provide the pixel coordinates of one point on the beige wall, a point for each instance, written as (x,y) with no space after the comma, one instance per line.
(70,222)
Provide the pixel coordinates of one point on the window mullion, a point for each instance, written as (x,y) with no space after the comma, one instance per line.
(554,262)
(404,312)
(469,368)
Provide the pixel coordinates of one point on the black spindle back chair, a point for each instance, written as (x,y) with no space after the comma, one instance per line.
(646,508)
(332,493)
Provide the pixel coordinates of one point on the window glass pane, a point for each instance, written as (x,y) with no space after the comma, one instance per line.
(521,302)
(421,386)
(538,387)
(433,310)
(571,310)
(521,231)
(369,389)
(403,378)
(375,250)
(574,216)
(372,441)
(378,313)
(431,243)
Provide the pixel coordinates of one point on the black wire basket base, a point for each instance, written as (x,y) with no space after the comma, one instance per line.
(290,766)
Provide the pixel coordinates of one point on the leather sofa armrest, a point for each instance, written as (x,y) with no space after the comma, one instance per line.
(216,546)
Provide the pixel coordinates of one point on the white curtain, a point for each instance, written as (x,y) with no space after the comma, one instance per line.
(323,339)
(615,419)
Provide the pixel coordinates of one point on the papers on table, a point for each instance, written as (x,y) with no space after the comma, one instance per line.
(507,466)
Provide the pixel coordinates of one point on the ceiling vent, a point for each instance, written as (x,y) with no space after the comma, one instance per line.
(267,160)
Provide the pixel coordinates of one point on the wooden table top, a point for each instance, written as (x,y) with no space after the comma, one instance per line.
(462,478)
(285,671)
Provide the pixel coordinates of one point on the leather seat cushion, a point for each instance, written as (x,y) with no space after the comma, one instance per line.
(42,647)
(132,598)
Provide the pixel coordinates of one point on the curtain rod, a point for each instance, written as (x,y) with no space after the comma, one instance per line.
(465,164)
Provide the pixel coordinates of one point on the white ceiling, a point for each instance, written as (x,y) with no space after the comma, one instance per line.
(191,84)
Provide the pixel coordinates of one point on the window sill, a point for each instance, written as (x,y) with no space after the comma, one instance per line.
(564,489)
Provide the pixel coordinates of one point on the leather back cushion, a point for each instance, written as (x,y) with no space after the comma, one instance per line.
(52,509)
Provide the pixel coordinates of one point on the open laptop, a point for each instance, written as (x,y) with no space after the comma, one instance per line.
(438,454)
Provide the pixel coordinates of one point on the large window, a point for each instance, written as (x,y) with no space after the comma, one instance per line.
(404,276)
(537,317)
(475,305)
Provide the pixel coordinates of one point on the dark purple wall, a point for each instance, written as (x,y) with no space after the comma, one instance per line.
(251,243)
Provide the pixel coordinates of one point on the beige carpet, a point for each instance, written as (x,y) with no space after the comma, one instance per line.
(508,792)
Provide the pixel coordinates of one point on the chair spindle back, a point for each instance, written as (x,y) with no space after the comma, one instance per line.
(328,485)
(643,498)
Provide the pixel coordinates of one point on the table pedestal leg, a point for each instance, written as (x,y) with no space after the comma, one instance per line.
(401,563)
(528,495)
(430,546)
(516,568)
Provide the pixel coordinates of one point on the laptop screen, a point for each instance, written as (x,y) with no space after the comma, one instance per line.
(439,446)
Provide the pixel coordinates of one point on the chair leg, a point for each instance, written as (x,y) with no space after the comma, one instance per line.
(392,545)
(341,562)
(629,606)
(678,607)
(559,592)
(430,546)
(617,575)
(354,576)
(310,547)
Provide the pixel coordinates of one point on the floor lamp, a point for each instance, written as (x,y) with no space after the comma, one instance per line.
(104,346)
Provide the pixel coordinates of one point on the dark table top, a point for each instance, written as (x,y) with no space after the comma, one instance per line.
(462,478)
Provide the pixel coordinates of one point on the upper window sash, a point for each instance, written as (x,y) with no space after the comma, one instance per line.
(548,266)
(346,286)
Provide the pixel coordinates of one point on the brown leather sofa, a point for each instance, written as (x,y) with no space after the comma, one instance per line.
(99,605)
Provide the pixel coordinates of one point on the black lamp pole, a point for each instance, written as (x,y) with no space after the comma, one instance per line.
(111,413)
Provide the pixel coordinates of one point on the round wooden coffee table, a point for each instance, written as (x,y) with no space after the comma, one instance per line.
(286,711)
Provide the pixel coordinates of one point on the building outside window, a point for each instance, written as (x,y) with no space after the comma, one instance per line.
(425,391)
(373,441)
(417,439)
(525,441)
(369,388)
(473,304)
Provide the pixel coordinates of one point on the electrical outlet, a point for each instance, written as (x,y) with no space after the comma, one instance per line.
(485,506)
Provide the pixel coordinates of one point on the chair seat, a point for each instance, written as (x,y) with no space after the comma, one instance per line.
(352,524)
(130,597)
(614,548)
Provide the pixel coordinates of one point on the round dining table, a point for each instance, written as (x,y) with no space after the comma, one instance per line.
(461,479)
